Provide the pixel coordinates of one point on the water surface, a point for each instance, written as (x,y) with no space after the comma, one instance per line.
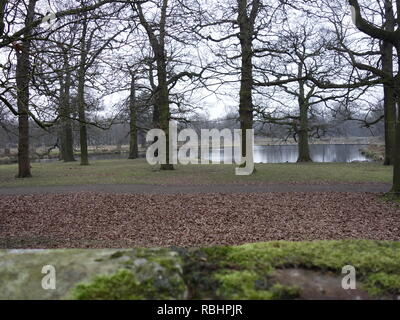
(289,153)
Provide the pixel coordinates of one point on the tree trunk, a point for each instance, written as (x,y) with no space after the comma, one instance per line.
(61,111)
(3,4)
(133,145)
(162,94)
(82,126)
(81,96)
(66,135)
(67,122)
(69,135)
(163,105)
(156,116)
(245,96)
(303,145)
(396,159)
(23,80)
(24,167)
(389,97)
(246,25)
(390,130)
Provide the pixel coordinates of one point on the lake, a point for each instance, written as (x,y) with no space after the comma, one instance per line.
(319,153)
(272,154)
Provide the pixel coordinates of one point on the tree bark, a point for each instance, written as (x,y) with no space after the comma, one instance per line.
(3,4)
(245,94)
(61,133)
(133,145)
(303,145)
(81,96)
(67,122)
(163,106)
(66,135)
(23,79)
(389,97)
(246,25)
(390,130)
(156,111)
(396,159)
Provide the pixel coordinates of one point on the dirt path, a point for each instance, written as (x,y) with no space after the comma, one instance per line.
(202,189)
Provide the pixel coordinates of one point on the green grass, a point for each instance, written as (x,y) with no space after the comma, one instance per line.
(139,172)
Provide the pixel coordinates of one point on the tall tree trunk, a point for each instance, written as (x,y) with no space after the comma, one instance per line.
(156,111)
(390,130)
(61,111)
(3,4)
(23,80)
(303,145)
(133,145)
(81,96)
(68,137)
(156,123)
(389,97)
(396,159)
(162,101)
(245,94)
(246,25)
(156,116)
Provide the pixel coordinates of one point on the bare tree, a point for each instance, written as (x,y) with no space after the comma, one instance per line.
(23,75)
(301,52)
(159,34)
(392,37)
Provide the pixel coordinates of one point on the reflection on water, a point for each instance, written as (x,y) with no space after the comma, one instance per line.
(271,154)
(289,153)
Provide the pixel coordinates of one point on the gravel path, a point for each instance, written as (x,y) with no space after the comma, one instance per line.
(195,189)
(98,220)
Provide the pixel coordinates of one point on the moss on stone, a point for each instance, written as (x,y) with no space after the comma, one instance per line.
(244,285)
(125,285)
(366,256)
(146,274)
(122,285)
(260,259)
(382,283)
(237,272)
(117,255)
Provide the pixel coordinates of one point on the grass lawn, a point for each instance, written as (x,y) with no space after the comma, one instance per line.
(139,172)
